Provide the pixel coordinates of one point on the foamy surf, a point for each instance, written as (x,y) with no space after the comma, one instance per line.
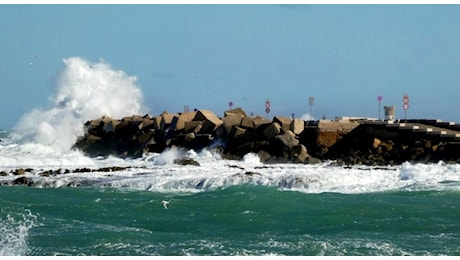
(43,138)
(84,91)
(159,173)
(14,232)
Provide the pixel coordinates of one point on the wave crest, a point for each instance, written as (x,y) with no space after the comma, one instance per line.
(85,91)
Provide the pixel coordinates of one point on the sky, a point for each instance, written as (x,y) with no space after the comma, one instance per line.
(205,56)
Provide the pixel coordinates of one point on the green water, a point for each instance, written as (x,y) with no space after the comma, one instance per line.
(240,220)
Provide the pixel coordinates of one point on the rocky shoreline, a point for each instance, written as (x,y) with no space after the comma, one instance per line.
(280,140)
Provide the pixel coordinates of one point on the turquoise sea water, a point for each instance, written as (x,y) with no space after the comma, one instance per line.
(237,220)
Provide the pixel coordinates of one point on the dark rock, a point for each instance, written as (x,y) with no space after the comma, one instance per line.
(299,153)
(288,139)
(23,181)
(313,160)
(186,161)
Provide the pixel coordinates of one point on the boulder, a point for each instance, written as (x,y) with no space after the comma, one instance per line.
(297,126)
(259,121)
(19,172)
(312,160)
(182,118)
(231,120)
(186,161)
(211,121)
(285,122)
(144,138)
(264,156)
(376,143)
(235,111)
(23,181)
(272,130)
(237,132)
(299,153)
(147,123)
(166,120)
(157,122)
(288,139)
(192,126)
(247,122)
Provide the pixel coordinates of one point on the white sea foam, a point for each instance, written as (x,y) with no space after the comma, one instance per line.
(157,172)
(42,141)
(14,232)
(85,91)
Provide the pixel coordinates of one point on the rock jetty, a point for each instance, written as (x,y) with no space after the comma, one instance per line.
(281,139)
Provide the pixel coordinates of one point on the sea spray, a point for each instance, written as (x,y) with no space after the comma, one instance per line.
(85,91)
(14,231)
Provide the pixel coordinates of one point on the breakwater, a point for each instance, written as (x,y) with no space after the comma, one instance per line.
(277,140)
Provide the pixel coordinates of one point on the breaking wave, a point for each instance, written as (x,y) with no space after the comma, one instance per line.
(14,232)
(85,91)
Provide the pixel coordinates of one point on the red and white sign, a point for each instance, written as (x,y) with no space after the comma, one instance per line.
(406,102)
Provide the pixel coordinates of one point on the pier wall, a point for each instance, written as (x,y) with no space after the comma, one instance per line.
(277,140)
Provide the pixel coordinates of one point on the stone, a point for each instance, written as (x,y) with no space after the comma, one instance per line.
(112,126)
(19,172)
(259,121)
(23,181)
(285,122)
(211,121)
(376,143)
(248,122)
(272,130)
(193,126)
(297,126)
(288,139)
(147,123)
(313,160)
(183,118)
(231,120)
(188,137)
(299,153)
(235,111)
(186,161)
(237,132)
(166,120)
(264,156)
(144,138)
(156,122)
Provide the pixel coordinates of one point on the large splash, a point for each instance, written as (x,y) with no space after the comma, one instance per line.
(14,233)
(85,91)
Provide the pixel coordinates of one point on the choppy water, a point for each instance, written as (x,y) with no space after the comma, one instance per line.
(230,208)
(218,208)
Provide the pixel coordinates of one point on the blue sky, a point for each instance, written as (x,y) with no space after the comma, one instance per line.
(205,56)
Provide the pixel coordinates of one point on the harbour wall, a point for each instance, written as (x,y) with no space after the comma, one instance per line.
(346,141)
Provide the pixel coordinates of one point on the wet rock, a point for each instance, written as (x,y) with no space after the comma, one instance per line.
(288,139)
(23,181)
(186,161)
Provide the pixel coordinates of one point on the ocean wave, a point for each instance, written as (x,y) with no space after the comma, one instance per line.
(159,173)
(14,230)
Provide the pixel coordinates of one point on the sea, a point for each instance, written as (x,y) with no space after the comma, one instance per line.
(150,206)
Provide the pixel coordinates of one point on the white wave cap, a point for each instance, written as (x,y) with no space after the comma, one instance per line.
(85,91)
